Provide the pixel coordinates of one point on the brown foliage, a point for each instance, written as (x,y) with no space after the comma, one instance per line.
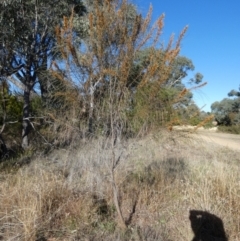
(101,67)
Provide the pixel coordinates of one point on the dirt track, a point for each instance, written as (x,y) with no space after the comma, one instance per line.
(226,140)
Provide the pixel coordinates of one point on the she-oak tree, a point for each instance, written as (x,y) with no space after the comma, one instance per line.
(123,61)
(105,77)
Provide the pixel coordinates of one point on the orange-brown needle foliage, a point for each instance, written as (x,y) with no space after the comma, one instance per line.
(105,66)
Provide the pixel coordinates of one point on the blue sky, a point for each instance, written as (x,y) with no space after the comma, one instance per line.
(212,41)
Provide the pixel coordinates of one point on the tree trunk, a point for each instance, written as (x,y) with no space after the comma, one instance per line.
(26,126)
(3,146)
(30,80)
(28,85)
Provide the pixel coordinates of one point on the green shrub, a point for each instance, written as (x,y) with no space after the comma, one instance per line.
(230,129)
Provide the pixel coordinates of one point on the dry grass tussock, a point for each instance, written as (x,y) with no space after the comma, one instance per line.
(68,195)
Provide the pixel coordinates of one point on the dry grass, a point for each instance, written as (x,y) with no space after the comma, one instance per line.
(68,195)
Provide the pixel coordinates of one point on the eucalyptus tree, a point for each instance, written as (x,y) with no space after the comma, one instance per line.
(227,111)
(177,79)
(27,43)
(221,110)
(174,97)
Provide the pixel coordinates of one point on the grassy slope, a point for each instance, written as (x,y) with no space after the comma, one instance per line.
(67,195)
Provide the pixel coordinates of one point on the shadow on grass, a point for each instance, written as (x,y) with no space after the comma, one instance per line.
(207,226)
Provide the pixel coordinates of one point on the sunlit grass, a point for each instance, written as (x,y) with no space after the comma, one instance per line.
(68,196)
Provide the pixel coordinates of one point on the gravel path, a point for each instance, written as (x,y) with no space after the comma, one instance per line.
(226,140)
